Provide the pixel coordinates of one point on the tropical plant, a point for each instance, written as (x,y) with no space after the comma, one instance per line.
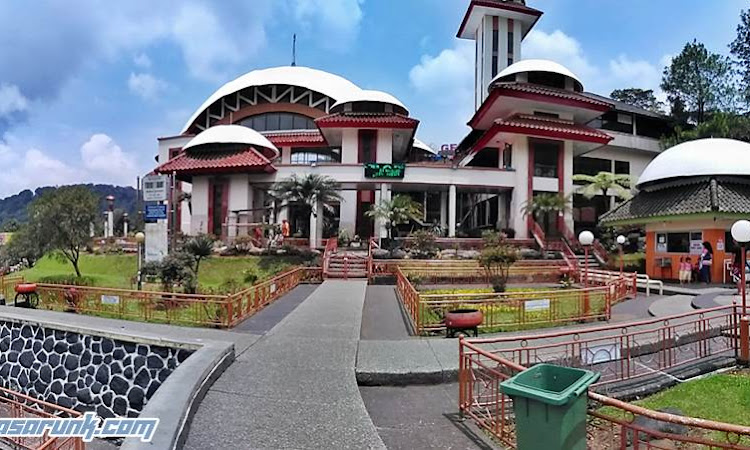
(720,125)
(603,183)
(424,246)
(496,257)
(23,248)
(307,192)
(399,210)
(200,247)
(545,203)
(344,237)
(62,219)
(641,98)
(177,269)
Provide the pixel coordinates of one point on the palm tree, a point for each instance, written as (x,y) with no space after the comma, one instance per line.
(602,183)
(396,211)
(542,206)
(308,191)
(200,247)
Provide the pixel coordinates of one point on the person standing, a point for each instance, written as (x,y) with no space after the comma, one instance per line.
(706,262)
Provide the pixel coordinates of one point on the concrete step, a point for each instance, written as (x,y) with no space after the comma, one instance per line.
(350,274)
(669,306)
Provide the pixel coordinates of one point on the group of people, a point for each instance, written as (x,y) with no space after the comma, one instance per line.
(701,269)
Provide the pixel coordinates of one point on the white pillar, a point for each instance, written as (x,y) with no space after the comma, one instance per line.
(452,210)
(125,229)
(348,211)
(568,182)
(520,192)
(385,195)
(314,236)
(443,210)
(110,224)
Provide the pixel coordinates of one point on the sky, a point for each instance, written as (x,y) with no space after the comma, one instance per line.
(87,86)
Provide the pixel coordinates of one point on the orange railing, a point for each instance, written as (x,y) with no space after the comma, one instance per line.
(599,251)
(468,271)
(203,310)
(569,236)
(611,423)
(331,246)
(20,406)
(538,234)
(513,310)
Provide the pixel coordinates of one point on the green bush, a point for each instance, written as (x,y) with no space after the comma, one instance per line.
(249,276)
(67,279)
(424,246)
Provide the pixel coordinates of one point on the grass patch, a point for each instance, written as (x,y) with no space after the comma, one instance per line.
(118,270)
(721,398)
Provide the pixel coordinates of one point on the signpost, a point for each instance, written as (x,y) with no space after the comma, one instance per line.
(385,170)
(155,188)
(156,212)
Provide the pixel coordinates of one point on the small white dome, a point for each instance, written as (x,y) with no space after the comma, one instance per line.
(537,65)
(700,157)
(369,96)
(424,147)
(328,84)
(231,134)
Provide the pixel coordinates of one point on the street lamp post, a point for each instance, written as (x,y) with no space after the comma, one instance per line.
(139,239)
(741,234)
(586,238)
(620,242)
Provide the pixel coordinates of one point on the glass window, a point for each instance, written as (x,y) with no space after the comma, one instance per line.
(545,158)
(584,165)
(309,155)
(622,167)
(367,141)
(614,121)
(278,121)
(550,79)
(286,122)
(510,42)
(678,242)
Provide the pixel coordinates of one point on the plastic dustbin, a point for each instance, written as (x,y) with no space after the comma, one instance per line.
(550,406)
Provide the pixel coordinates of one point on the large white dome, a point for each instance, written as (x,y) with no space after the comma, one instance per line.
(231,134)
(699,158)
(537,65)
(325,83)
(369,96)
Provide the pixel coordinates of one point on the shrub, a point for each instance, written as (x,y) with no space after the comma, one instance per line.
(344,237)
(243,245)
(230,286)
(249,276)
(496,258)
(424,246)
(176,269)
(67,279)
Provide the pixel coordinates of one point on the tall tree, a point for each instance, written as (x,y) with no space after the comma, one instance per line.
(720,125)
(740,49)
(641,98)
(62,218)
(700,80)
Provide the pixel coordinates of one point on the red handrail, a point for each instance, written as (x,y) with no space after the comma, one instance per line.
(331,245)
(538,233)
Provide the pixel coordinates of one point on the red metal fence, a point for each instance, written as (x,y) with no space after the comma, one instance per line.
(219,311)
(16,405)
(513,310)
(611,422)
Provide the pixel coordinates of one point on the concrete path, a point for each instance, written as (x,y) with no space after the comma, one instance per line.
(382,317)
(296,387)
(264,320)
(671,305)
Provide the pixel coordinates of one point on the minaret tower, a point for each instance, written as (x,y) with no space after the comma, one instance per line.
(497,27)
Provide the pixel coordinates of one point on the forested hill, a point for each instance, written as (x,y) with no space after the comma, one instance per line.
(13,208)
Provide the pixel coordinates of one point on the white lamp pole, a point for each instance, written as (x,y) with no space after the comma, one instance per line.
(741,234)
(586,238)
(621,241)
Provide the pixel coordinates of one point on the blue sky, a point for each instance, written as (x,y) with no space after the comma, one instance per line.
(87,86)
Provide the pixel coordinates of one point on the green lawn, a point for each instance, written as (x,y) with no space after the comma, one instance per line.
(722,398)
(117,271)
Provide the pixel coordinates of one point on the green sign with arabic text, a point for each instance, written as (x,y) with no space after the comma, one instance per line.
(384,170)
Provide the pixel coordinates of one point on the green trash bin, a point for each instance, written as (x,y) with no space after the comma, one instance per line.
(550,406)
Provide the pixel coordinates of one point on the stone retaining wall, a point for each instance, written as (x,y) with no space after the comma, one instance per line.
(82,372)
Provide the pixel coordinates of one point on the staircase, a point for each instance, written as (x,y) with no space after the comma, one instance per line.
(591,262)
(347,264)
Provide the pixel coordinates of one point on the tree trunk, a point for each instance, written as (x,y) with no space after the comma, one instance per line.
(75,267)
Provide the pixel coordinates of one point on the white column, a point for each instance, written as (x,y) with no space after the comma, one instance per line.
(125,229)
(443,210)
(286,155)
(314,235)
(238,199)
(385,195)
(384,147)
(502,220)
(452,210)
(568,182)
(110,224)
(199,198)
(349,146)
(521,188)
(348,210)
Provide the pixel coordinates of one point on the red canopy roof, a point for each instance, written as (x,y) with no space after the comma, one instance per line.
(306,138)
(364,120)
(217,161)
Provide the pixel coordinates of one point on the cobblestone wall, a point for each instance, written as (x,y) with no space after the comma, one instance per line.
(82,372)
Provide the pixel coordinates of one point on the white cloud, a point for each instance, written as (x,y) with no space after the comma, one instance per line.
(142,60)
(559,47)
(645,74)
(11,99)
(145,85)
(445,84)
(105,160)
(337,20)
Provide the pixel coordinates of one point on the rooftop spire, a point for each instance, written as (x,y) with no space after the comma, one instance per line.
(294,50)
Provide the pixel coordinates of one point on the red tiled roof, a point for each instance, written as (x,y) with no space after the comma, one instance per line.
(552,92)
(306,138)
(210,161)
(357,120)
(542,127)
(552,125)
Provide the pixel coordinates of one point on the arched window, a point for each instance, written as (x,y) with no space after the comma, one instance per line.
(278,121)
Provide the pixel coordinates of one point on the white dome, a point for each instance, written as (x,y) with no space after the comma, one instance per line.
(369,96)
(699,158)
(424,147)
(536,65)
(325,83)
(231,134)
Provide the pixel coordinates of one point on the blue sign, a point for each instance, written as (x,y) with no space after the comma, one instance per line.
(156,212)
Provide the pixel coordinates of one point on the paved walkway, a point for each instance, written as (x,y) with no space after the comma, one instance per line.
(295,388)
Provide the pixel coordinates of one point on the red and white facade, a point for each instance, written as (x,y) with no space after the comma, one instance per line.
(531,125)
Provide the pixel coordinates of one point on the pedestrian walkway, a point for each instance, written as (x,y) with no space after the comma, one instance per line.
(296,387)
